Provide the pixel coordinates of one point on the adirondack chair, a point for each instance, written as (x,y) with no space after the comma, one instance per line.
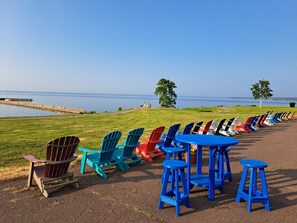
(197,127)
(206,128)
(99,160)
(212,127)
(291,116)
(220,125)
(168,138)
(225,128)
(243,126)
(53,173)
(232,130)
(252,124)
(187,130)
(125,151)
(147,149)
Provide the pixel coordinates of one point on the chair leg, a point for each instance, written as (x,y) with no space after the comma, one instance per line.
(30,177)
(100,172)
(83,163)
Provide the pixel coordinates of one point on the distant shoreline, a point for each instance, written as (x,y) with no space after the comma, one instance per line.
(56,93)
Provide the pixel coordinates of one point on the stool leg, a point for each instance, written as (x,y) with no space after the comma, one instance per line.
(172,180)
(228,166)
(255,182)
(251,189)
(180,156)
(177,195)
(185,188)
(242,182)
(164,186)
(264,189)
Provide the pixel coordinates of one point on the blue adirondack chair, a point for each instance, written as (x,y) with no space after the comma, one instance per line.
(104,158)
(187,130)
(125,151)
(168,138)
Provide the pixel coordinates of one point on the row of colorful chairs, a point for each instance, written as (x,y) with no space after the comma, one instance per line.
(61,151)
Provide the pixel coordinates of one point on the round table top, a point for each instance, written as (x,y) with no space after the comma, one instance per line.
(206,140)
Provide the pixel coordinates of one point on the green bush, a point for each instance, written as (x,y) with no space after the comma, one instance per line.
(292,104)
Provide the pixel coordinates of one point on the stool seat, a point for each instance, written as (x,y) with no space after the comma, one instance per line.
(175,164)
(253,163)
(173,150)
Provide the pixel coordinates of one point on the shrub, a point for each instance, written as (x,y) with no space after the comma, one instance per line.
(120,109)
(292,104)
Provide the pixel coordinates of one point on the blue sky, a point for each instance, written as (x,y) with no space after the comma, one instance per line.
(208,48)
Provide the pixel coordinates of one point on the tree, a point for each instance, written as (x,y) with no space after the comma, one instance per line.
(165,89)
(261,90)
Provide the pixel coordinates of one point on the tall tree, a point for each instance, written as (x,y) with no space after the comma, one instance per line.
(167,95)
(261,90)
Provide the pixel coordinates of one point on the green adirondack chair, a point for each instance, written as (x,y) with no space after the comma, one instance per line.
(125,151)
(99,160)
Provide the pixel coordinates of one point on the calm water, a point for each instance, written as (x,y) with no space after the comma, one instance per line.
(111,102)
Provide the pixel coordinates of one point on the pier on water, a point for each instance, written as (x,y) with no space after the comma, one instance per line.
(23,102)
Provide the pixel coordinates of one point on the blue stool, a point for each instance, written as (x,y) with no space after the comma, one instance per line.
(251,194)
(173,196)
(175,152)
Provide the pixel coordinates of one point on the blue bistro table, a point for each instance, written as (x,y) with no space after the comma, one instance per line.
(216,144)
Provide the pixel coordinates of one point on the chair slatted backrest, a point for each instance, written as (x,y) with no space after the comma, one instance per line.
(247,122)
(171,135)
(108,146)
(132,141)
(59,150)
(229,124)
(154,139)
(197,127)
(220,125)
(261,118)
(206,127)
(188,128)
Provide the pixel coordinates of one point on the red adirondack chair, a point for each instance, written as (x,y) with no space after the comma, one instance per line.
(243,126)
(147,149)
(206,128)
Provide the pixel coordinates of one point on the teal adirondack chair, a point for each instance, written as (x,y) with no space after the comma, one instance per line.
(125,151)
(104,158)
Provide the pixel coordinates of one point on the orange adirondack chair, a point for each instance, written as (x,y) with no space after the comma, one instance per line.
(53,174)
(147,149)
(243,126)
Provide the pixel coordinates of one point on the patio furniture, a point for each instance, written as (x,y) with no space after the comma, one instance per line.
(147,149)
(252,194)
(53,173)
(216,144)
(175,170)
(125,152)
(100,160)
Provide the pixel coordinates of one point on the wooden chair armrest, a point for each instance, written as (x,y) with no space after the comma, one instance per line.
(32,159)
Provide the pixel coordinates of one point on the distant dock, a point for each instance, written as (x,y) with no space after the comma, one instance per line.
(20,102)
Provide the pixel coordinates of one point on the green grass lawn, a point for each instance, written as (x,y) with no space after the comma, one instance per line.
(22,136)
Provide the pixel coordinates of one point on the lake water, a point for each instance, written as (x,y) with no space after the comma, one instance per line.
(111,102)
